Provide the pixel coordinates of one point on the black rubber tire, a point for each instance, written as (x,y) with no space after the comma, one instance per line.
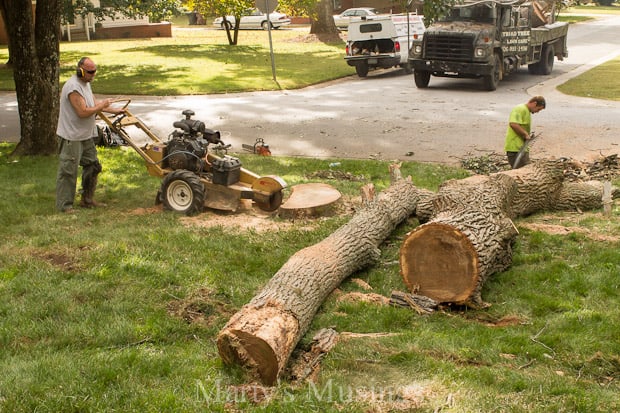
(361,68)
(421,78)
(546,60)
(182,191)
(227,24)
(545,65)
(491,81)
(275,200)
(265,26)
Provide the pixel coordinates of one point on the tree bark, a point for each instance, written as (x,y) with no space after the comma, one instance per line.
(468,231)
(262,335)
(324,25)
(35,54)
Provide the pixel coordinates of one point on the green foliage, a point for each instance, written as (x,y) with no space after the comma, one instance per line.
(118,309)
(435,9)
(156,10)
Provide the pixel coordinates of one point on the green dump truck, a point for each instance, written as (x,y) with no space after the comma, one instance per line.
(487,40)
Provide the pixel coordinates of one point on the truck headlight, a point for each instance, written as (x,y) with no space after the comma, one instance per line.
(417,49)
(480,52)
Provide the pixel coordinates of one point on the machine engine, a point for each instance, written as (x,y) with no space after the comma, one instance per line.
(187,147)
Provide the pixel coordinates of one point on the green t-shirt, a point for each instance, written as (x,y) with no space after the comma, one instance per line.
(521,115)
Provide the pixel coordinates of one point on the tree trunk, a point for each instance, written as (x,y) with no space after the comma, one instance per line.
(324,25)
(262,335)
(469,233)
(35,54)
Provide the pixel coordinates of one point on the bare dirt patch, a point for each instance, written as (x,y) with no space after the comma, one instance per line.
(59,260)
(201,307)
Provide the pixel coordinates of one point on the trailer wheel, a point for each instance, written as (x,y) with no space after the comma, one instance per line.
(422,78)
(546,61)
(491,81)
(182,191)
(275,200)
(361,68)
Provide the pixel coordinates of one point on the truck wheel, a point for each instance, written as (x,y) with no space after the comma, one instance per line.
(182,191)
(491,81)
(361,68)
(422,78)
(546,60)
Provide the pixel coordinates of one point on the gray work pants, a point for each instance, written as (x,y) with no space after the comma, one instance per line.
(71,155)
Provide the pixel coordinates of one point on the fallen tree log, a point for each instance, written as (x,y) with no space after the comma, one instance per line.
(468,231)
(261,335)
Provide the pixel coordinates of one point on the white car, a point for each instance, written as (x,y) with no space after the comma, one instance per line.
(342,20)
(254,19)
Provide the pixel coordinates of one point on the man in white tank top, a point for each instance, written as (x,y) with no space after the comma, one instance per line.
(75,132)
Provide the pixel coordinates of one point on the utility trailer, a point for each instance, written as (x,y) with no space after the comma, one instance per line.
(489,39)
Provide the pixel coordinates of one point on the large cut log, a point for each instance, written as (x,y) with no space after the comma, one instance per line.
(468,231)
(468,237)
(262,335)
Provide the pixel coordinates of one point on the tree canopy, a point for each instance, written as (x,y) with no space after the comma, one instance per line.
(34,53)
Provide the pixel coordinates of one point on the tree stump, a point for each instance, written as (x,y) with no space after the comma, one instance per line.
(262,335)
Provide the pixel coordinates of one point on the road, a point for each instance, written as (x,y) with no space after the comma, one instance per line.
(384,116)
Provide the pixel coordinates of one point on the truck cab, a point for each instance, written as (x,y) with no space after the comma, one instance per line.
(489,39)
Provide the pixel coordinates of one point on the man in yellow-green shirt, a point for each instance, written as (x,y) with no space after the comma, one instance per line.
(518,131)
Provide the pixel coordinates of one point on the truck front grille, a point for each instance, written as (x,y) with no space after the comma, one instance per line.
(456,47)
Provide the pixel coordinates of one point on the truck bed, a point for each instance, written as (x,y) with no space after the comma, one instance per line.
(549,32)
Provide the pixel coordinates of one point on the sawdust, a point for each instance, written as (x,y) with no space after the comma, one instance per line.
(250,218)
(364,297)
(571,224)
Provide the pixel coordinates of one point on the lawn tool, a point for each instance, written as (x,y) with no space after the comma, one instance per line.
(523,150)
(192,176)
(259,147)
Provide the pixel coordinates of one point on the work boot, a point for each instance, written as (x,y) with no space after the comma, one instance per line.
(88,194)
(91,203)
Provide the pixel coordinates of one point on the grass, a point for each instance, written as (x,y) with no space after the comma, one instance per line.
(119,309)
(600,82)
(200,61)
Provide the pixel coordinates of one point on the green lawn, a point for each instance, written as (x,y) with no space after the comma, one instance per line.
(119,309)
(200,61)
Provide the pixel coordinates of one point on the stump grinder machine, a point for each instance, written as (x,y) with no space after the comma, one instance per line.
(192,176)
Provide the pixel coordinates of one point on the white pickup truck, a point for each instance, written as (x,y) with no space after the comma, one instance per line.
(382,41)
